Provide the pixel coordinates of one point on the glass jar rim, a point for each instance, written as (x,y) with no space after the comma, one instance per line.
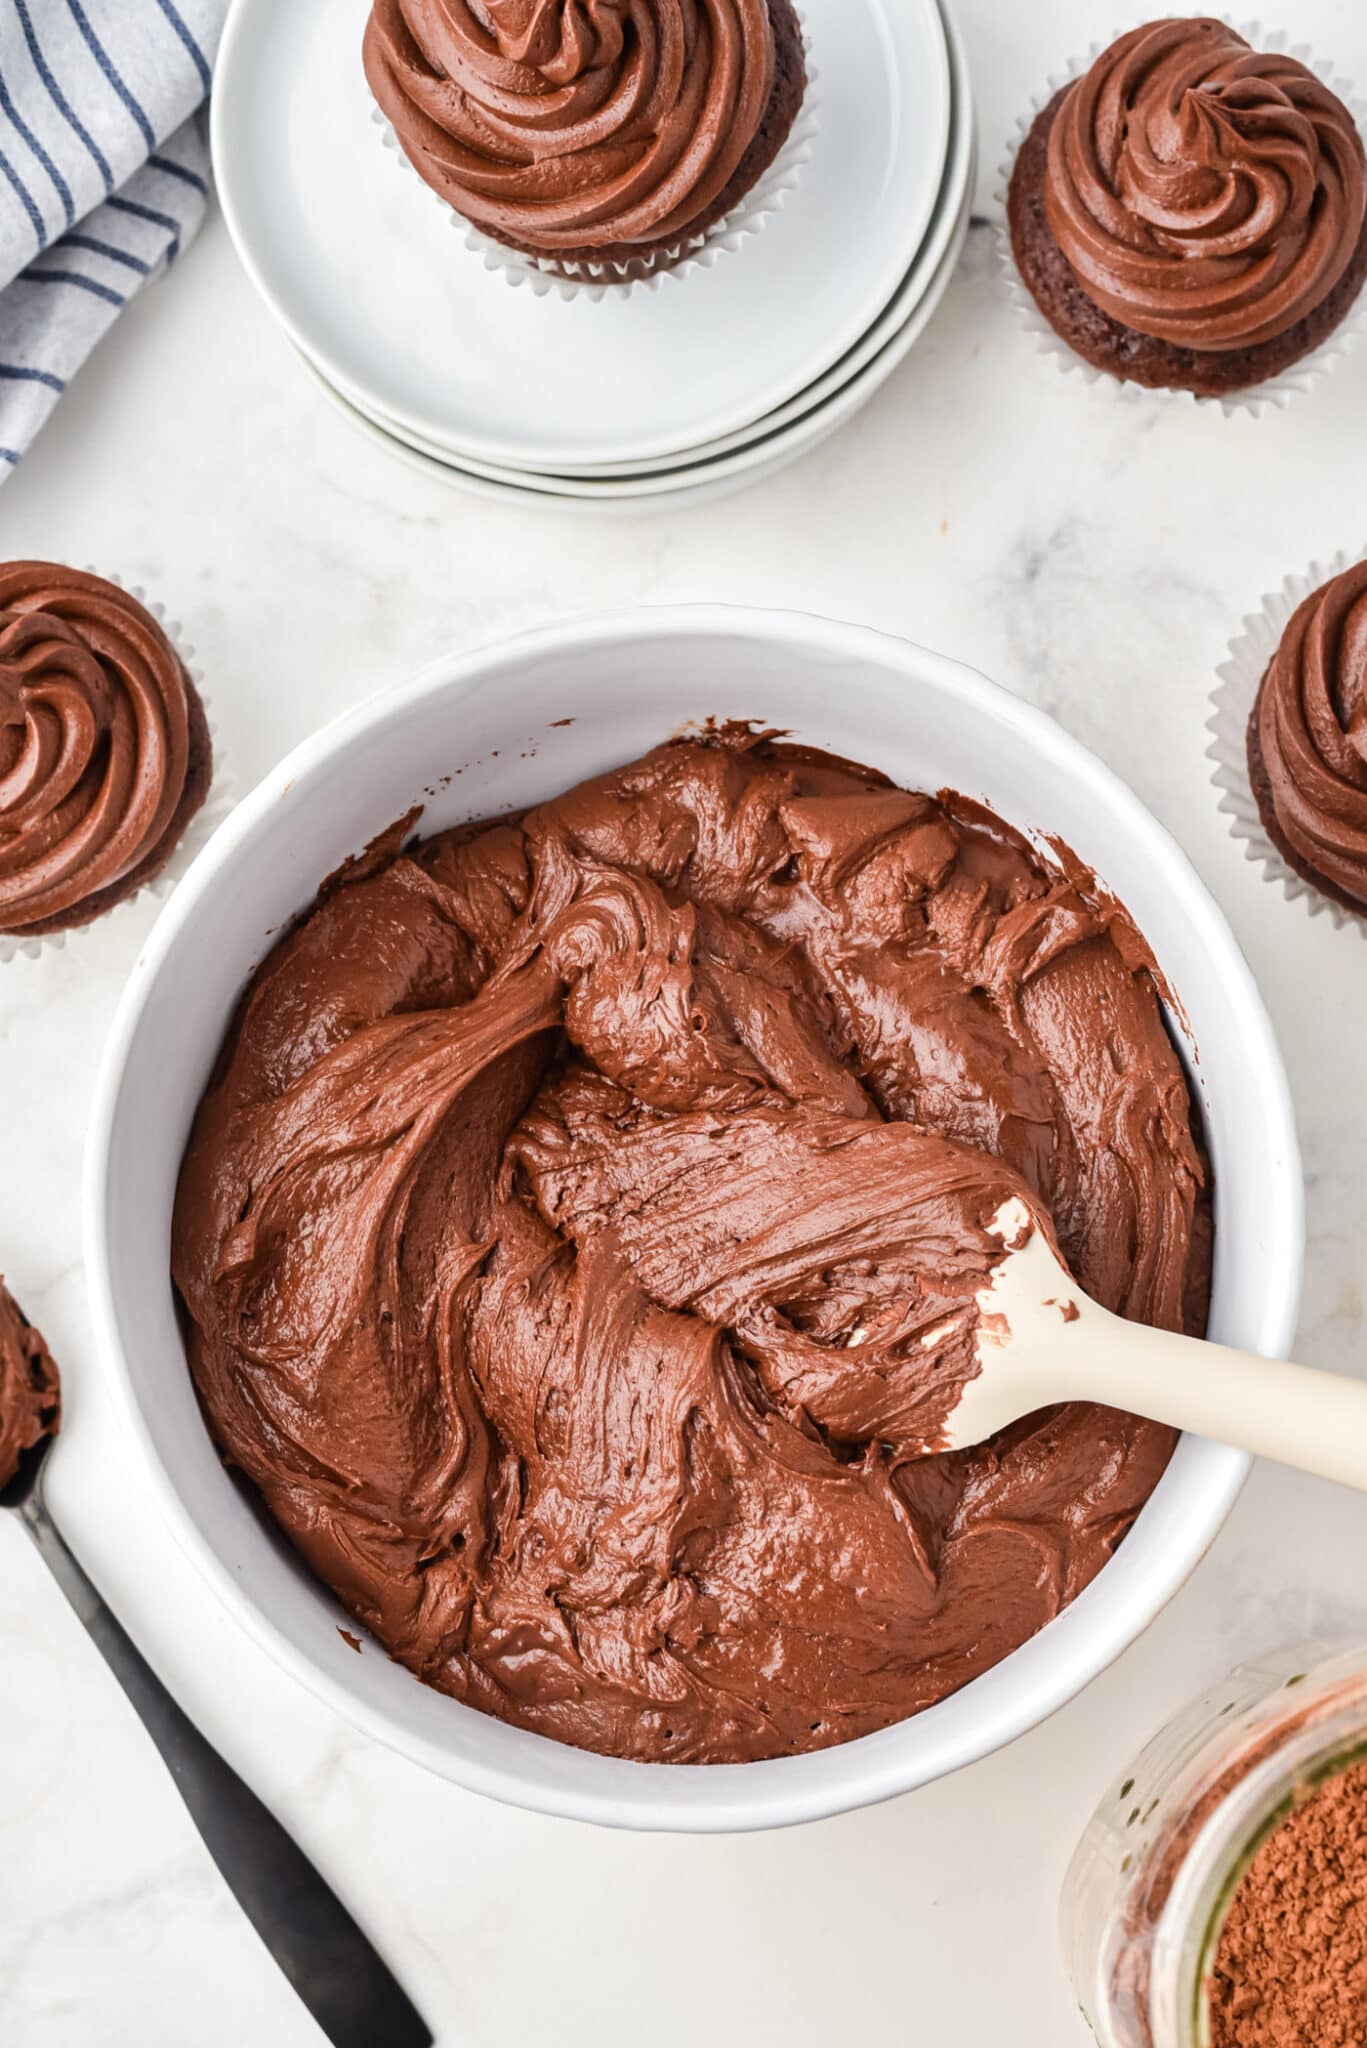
(1321,1734)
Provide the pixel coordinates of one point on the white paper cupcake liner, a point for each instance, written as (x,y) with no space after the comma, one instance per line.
(1232,702)
(1273,392)
(592,281)
(217,803)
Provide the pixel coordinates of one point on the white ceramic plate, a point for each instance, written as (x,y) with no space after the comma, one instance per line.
(958,181)
(690,484)
(360,263)
(525,719)
(524,495)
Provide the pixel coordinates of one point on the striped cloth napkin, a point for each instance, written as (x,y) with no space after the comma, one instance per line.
(104,177)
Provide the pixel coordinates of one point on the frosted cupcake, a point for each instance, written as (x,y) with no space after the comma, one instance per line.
(613,135)
(105,753)
(1190,212)
(1307,741)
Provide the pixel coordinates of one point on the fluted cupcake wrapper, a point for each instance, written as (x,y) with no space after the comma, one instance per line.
(218,801)
(1274,392)
(1232,701)
(544,275)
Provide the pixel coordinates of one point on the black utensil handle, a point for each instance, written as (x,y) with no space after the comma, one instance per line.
(332,1966)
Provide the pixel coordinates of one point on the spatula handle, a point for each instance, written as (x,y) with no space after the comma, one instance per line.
(1314,1420)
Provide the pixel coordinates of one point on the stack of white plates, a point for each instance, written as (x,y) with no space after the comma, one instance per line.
(691,387)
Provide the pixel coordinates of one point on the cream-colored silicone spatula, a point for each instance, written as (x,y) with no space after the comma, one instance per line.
(1039,1339)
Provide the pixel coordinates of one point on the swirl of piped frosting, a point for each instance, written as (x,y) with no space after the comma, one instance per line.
(1310,730)
(1203,192)
(560,124)
(95,743)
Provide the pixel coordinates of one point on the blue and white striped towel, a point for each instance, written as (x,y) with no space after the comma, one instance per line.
(104,176)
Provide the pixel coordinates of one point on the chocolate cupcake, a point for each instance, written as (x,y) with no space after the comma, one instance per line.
(1307,741)
(1190,213)
(612,138)
(105,754)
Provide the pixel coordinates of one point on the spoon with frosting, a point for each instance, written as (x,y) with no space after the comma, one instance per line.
(1036,1339)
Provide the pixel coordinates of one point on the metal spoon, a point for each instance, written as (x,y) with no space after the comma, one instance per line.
(333,1968)
(1039,1339)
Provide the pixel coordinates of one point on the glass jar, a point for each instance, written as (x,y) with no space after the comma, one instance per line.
(1146,1894)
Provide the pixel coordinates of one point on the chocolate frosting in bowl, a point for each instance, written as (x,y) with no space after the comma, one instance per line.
(1307,738)
(104,749)
(1203,192)
(570,127)
(30,1387)
(567,1237)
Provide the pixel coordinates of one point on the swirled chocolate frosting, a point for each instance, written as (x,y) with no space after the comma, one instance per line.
(580,125)
(1203,192)
(567,1237)
(1308,738)
(30,1387)
(104,751)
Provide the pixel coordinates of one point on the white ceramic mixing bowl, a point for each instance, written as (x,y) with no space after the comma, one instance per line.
(524,720)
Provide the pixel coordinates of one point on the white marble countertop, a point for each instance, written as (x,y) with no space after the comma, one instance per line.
(1090,552)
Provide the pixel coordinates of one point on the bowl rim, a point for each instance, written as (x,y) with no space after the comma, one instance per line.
(776,1793)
